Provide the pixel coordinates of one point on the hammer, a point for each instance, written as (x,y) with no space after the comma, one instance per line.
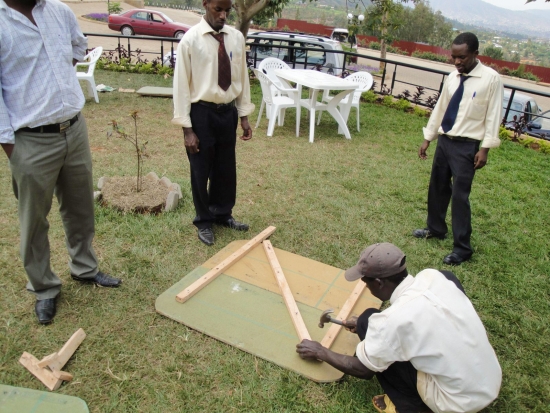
(326,318)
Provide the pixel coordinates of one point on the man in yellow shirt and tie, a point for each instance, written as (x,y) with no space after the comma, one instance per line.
(211,92)
(465,122)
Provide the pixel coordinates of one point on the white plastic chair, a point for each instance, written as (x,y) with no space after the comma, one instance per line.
(365,80)
(90,61)
(268,65)
(275,104)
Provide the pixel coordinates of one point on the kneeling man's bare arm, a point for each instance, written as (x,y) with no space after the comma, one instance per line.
(312,350)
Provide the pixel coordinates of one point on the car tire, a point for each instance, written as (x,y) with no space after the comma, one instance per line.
(127,31)
(179,34)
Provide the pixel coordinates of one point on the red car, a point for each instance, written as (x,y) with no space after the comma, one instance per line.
(147,22)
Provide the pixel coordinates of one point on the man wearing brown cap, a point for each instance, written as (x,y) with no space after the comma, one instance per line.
(428,349)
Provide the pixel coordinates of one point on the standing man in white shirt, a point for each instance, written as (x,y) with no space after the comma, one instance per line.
(45,138)
(465,122)
(211,91)
(428,349)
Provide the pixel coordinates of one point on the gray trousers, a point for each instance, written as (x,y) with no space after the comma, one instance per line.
(43,164)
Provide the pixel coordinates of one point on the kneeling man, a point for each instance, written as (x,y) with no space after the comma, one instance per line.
(428,349)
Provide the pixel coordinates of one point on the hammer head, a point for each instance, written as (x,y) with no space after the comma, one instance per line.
(325,317)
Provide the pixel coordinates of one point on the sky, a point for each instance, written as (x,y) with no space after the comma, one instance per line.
(520,4)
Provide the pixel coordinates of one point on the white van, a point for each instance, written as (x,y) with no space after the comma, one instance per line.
(340,35)
(274,44)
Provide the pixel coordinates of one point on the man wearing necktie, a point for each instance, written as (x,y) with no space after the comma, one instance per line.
(465,122)
(211,91)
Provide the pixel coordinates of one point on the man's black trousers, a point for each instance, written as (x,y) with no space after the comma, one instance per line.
(213,168)
(451,181)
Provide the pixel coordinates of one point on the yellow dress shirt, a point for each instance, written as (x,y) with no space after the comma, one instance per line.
(196,72)
(480,110)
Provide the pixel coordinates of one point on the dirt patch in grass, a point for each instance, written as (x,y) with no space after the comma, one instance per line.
(120,192)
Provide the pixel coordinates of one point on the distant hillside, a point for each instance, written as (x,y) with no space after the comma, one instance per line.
(533,23)
(477,13)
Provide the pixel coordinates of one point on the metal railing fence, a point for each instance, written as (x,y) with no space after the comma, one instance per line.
(390,82)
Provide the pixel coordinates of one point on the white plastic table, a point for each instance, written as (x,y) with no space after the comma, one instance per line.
(320,81)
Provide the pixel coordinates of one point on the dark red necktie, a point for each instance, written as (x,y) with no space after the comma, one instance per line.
(224,65)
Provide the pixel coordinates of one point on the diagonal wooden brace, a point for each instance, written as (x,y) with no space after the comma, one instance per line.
(202,282)
(291,305)
(334,329)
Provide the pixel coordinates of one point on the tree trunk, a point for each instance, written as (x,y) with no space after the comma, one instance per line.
(384,31)
(242,26)
(246,10)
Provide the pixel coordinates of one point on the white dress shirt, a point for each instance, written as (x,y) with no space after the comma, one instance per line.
(38,85)
(480,111)
(432,324)
(196,73)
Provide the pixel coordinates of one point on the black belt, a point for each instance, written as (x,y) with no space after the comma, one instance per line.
(53,128)
(460,138)
(220,107)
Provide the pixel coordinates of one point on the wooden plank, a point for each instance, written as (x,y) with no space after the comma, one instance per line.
(62,375)
(167,92)
(44,375)
(291,305)
(334,329)
(47,360)
(67,350)
(202,282)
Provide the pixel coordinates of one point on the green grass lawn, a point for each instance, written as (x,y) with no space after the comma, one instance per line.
(328,201)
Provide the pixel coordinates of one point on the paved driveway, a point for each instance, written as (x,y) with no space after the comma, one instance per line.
(151,49)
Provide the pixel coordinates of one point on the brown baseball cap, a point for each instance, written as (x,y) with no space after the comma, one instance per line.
(380,260)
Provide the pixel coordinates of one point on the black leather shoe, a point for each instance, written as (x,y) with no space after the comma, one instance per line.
(231,223)
(45,310)
(101,279)
(425,233)
(206,235)
(454,259)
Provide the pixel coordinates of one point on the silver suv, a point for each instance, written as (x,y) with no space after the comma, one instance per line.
(522,105)
(276,44)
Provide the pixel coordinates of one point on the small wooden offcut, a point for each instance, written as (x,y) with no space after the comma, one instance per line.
(48,370)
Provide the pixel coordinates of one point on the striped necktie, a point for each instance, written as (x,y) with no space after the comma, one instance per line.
(224,65)
(452,110)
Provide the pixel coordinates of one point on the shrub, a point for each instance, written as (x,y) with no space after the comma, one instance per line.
(530,76)
(430,56)
(505,71)
(387,100)
(418,111)
(369,96)
(503,134)
(114,8)
(390,49)
(403,104)
(519,71)
(125,64)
